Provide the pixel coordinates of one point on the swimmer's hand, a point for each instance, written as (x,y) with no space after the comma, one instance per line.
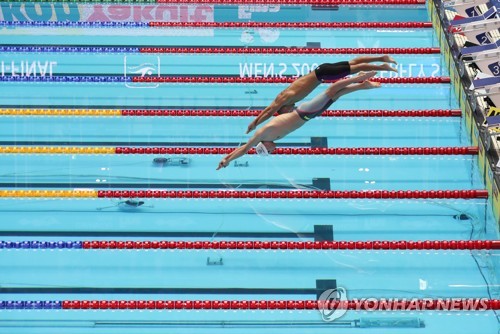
(223,164)
(252,126)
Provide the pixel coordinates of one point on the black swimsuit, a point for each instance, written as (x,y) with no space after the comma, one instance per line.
(333,71)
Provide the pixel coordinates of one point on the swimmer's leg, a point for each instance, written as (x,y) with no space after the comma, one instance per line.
(372,67)
(106,207)
(334,95)
(372,59)
(311,109)
(342,84)
(364,63)
(315,107)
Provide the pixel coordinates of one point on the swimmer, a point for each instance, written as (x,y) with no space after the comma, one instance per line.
(129,204)
(304,85)
(283,124)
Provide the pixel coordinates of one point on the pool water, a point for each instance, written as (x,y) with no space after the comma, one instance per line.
(47,91)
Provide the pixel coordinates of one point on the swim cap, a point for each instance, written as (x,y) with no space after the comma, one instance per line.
(261,149)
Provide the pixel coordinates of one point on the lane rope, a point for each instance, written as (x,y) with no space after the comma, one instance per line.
(255,245)
(466,150)
(362,304)
(214,50)
(94,112)
(243,194)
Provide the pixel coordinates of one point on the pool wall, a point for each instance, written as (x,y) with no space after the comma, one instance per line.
(472,115)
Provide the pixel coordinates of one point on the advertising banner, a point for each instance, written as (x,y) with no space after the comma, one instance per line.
(74,12)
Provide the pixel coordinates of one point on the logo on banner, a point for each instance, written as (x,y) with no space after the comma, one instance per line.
(143,67)
(104,13)
(146,13)
(245,12)
(266,35)
(279,70)
(27,68)
(39,12)
(328,304)
(412,70)
(265,70)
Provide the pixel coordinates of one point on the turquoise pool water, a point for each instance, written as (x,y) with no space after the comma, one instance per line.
(59,274)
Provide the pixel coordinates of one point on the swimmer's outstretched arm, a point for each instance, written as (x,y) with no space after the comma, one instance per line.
(242,150)
(282,99)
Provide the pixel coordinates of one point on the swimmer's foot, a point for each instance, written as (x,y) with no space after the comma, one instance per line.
(388,67)
(389,59)
(371,84)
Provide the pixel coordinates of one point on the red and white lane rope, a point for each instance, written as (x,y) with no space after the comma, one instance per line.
(270,80)
(324,194)
(297,245)
(244,112)
(295,25)
(362,304)
(284,51)
(466,150)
